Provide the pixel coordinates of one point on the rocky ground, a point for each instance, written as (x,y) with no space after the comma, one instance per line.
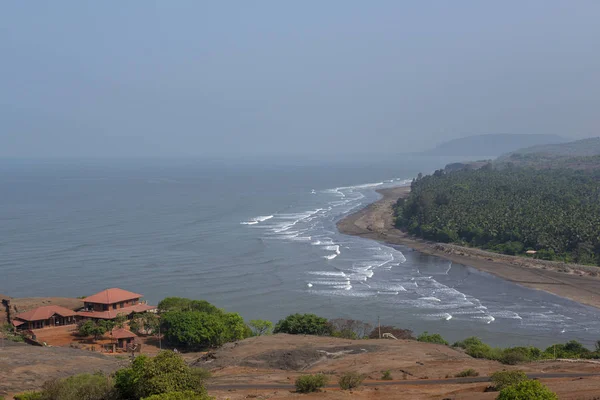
(266,368)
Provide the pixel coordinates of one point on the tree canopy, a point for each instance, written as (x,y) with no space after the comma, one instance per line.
(554,212)
(304,324)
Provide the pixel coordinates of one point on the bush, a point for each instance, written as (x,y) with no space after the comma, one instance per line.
(261,327)
(387,376)
(397,332)
(183,304)
(502,379)
(310,383)
(350,328)
(466,373)
(197,329)
(433,338)
(29,396)
(527,390)
(165,373)
(350,380)
(304,324)
(77,387)
(186,395)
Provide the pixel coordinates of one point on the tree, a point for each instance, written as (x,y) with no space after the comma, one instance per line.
(398,333)
(195,329)
(165,373)
(261,327)
(502,379)
(119,321)
(527,390)
(350,328)
(183,304)
(431,338)
(144,323)
(77,387)
(95,329)
(304,324)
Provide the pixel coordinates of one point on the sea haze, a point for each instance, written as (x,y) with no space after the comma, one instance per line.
(256,238)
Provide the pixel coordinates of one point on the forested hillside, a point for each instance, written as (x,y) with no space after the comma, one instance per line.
(556,212)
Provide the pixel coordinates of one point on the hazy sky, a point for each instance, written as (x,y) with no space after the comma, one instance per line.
(178,78)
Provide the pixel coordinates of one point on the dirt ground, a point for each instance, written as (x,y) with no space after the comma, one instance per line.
(280,359)
(576,282)
(276,361)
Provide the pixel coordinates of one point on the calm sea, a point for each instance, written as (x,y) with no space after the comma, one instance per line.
(258,238)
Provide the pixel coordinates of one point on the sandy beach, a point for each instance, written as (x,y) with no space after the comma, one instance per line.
(575,282)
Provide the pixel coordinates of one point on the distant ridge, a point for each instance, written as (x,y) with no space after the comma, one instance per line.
(491,145)
(580,154)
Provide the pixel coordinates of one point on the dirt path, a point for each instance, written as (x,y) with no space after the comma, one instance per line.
(575,282)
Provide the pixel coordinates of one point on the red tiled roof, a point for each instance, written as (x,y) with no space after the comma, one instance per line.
(17,323)
(111,296)
(112,314)
(45,312)
(120,333)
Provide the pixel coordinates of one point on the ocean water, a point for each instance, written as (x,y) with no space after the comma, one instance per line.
(258,238)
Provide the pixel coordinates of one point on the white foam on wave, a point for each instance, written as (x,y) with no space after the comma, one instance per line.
(256,220)
(249,223)
(331,256)
(430,298)
(309,284)
(334,247)
(328,273)
(316,243)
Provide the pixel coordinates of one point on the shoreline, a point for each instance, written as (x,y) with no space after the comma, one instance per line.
(574,282)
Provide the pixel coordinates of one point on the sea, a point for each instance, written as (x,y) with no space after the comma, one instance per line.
(257,237)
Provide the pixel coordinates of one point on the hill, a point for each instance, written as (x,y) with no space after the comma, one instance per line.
(491,145)
(580,154)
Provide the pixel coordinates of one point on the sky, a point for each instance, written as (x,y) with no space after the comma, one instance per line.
(230,78)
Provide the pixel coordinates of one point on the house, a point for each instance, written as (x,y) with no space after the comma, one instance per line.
(123,337)
(110,303)
(45,316)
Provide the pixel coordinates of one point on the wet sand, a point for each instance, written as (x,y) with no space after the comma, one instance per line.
(575,282)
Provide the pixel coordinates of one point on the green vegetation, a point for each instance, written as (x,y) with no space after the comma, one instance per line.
(165,373)
(144,323)
(28,396)
(510,211)
(350,328)
(386,376)
(194,324)
(310,383)
(350,380)
(304,324)
(261,327)
(95,328)
(502,379)
(9,333)
(527,390)
(186,395)
(466,373)
(433,338)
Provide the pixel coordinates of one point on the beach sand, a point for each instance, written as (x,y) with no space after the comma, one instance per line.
(575,282)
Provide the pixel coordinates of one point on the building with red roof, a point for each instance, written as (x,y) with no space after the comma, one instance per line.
(44,316)
(110,303)
(123,337)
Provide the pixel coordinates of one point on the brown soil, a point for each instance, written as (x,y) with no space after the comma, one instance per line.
(576,282)
(280,359)
(276,361)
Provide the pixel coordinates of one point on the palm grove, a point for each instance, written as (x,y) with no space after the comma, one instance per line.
(510,210)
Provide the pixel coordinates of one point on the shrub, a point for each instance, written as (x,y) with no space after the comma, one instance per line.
(350,328)
(502,379)
(197,329)
(261,327)
(466,373)
(397,332)
(185,395)
(387,376)
(167,372)
(513,357)
(350,380)
(527,390)
(433,338)
(310,383)
(77,387)
(29,396)
(183,304)
(304,324)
